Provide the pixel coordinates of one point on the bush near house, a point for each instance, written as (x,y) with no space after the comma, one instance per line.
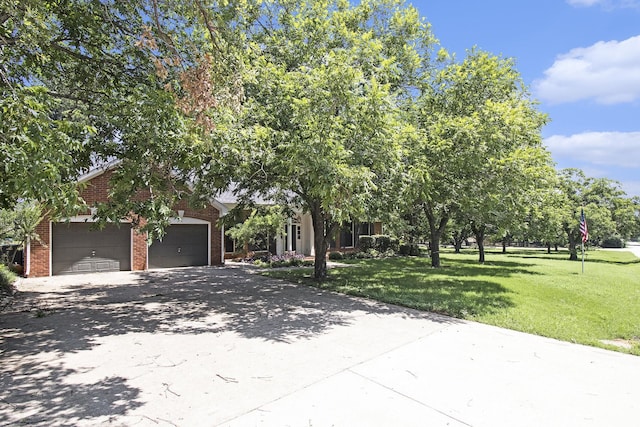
(379,242)
(288,259)
(6,280)
(409,249)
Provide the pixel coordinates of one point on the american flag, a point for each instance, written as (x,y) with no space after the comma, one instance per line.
(584,231)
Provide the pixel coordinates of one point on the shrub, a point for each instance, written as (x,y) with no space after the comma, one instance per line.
(613,242)
(6,280)
(366,242)
(382,242)
(394,244)
(336,256)
(407,249)
(388,253)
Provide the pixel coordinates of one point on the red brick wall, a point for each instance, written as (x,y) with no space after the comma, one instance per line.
(39,257)
(97,190)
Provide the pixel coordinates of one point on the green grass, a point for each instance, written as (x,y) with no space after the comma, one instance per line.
(528,291)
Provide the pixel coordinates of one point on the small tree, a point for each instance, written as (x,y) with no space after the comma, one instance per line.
(269,222)
(19,226)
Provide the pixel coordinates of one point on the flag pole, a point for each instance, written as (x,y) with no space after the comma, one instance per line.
(584,234)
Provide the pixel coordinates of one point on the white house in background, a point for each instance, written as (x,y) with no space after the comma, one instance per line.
(298,235)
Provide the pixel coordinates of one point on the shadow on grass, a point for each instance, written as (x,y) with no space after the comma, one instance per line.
(411,282)
(590,257)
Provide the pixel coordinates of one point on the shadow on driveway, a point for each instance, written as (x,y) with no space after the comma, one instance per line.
(61,315)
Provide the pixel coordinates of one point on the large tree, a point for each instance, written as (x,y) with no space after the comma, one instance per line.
(319,127)
(84,82)
(609,212)
(477,145)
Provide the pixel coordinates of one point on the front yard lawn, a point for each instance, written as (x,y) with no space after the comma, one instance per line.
(529,291)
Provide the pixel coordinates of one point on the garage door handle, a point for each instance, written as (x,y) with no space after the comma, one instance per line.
(179,250)
(93,253)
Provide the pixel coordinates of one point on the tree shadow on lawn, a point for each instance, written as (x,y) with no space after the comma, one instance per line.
(565,257)
(451,266)
(454,290)
(460,298)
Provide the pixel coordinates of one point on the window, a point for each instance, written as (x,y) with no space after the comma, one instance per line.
(229,244)
(365,229)
(346,235)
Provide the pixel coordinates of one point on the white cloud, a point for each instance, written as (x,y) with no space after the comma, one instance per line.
(584,2)
(620,149)
(609,4)
(608,72)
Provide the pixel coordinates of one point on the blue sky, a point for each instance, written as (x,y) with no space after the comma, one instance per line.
(580,60)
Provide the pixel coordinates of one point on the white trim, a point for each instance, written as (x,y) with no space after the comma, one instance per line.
(219,206)
(99,171)
(50,248)
(27,268)
(222,245)
(131,254)
(188,220)
(86,218)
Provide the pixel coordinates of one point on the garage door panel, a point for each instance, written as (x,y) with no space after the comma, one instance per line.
(183,245)
(76,248)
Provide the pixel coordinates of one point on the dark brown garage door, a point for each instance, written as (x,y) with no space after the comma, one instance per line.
(183,245)
(76,248)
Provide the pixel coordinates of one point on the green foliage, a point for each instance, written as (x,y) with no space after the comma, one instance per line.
(612,242)
(366,242)
(83,83)
(7,278)
(320,123)
(18,225)
(410,249)
(382,242)
(264,222)
(476,118)
(379,242)
(608,212)
(336,256)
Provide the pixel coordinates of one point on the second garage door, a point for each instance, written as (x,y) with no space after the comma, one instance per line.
(183,245)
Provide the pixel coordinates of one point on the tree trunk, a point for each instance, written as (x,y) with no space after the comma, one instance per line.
(435,233)
(322,230)
(434,249)
(479,234)
(458,239)
(548,248)
(504,245)
(573,251)
(320,261)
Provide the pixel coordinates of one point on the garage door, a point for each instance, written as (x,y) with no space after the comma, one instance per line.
(183,245)
(76,248)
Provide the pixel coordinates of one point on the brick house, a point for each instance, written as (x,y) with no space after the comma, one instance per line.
(72,246)
(298,234)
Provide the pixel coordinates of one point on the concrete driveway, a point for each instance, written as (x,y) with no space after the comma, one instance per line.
(221,346)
